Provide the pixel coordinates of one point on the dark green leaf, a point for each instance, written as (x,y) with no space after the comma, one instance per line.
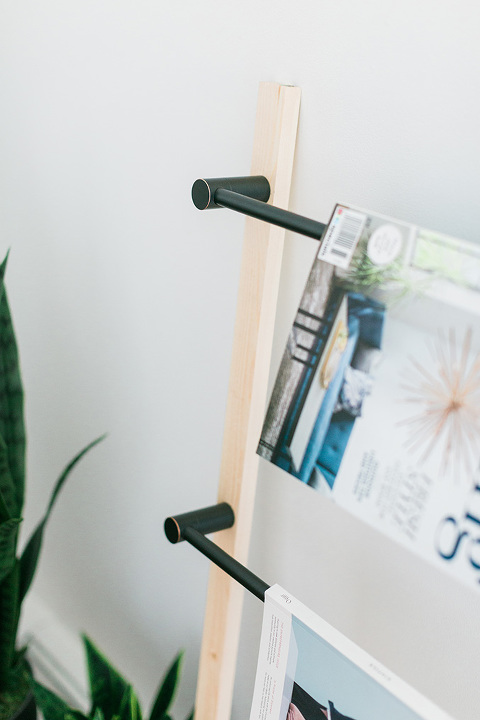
(52,706)
(19,659)
(29,559)
(167,689)
(66,472)
(8,499)
(130,707)
(14,692)
(5,513)
(9,615)
(8,545)
(98,715)
(12,429)
(107,686)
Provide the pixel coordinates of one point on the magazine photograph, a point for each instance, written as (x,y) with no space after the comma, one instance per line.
(307,670)
(376,404)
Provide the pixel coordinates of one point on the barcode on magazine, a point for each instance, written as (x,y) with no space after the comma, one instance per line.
(342,236)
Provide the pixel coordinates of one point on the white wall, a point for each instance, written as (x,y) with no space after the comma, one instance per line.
(124,296)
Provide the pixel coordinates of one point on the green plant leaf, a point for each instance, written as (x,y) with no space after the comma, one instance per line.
(19,660)
(12,428)
(167,689)
(8,545)
(9,616)
(108,688)
(130,706)
(4,511)
(98,715)
(14,693)
(52,706)
(8,500)
(29,559)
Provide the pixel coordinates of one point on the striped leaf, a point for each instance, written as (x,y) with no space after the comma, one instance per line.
(130,707)
(52,706)
(8,545)
(9,616)
(29,559)
(8,494)
(109,690)
(168,686)
(12,428)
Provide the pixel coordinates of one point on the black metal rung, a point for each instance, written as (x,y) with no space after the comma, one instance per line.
(248,195)
(191,526)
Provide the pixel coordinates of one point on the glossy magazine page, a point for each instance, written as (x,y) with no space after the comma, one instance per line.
(376,404)
(309,671)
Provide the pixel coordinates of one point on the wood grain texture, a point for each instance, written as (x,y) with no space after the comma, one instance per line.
(273,154)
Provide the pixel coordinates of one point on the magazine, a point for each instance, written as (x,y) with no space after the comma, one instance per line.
(309,671)
(376,403)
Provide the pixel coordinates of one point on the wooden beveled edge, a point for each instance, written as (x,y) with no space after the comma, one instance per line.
(273,154)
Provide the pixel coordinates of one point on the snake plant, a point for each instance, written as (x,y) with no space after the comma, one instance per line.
(112,697)
(16,570)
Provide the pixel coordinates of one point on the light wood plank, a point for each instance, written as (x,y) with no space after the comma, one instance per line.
(273,154)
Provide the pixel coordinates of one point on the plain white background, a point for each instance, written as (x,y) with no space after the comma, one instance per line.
(124,298)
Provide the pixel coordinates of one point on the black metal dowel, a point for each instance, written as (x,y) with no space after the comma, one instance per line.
(253,186)
(269,213)
(206,520)
(231,566)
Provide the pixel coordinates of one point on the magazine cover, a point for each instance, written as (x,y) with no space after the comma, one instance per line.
(308,671)
(376,403)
